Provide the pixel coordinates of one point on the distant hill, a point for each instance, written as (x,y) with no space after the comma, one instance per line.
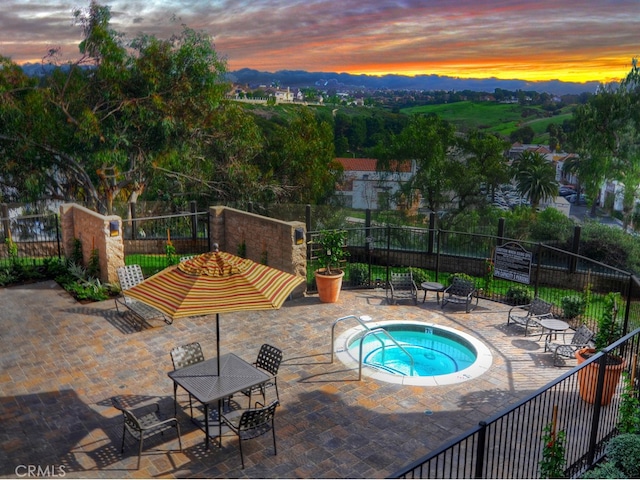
(347,81)
(300,78)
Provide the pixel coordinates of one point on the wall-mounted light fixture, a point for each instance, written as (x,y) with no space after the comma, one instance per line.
(114,228)
(299,236)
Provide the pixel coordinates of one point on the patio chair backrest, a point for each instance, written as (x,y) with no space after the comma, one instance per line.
(186,355)
(540,307)
(461,287)
(582,336)
(269,359)
(257,421)
(129,276)
(402,281)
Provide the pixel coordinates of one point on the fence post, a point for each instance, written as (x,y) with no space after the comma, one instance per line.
(194,220)
(501,225)
(482,440)
(597,406)
(432,232)
(368,241)
(6,224)
(134,225)
(438,254)
(575,248)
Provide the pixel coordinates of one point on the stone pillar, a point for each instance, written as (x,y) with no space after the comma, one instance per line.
(95,231)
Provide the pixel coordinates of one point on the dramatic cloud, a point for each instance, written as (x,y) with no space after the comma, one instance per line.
(581,40)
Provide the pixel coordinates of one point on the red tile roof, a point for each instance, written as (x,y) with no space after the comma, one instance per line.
(369,165)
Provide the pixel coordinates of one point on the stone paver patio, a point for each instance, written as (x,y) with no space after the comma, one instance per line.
(62,361)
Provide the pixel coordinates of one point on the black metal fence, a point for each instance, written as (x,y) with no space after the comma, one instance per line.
(557,276)
(510,444)
(156,242)
(30,237)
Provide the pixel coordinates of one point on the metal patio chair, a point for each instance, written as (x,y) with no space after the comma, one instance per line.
(144,425)
(461,292)
(252,423)
(402,287)
(581,339)
(268,360)
(183,356)
(529,315)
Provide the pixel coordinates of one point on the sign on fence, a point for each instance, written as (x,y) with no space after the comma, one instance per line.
(512,262)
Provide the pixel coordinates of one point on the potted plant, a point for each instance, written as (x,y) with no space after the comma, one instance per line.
(330,254)
(609,330)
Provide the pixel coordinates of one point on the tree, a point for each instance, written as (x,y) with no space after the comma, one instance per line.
(106,124)
(522,135)
(301,158)
(486,158)
(604,134)
(535,178)
(427,140)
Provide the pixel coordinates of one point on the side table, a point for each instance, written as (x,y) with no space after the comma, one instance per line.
(432,287)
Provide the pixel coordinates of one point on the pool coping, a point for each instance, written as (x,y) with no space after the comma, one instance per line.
(480,366)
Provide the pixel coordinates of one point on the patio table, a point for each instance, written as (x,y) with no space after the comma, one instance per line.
(202,381)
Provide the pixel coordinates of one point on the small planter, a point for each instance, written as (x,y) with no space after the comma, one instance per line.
(329,286)
(588,376)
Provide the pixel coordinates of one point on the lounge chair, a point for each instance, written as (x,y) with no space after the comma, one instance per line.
(529,315)
(460,292)
(402,287)
(129,276)
(581,339)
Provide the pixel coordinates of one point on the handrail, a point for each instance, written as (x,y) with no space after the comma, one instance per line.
(359,320)
(375,331)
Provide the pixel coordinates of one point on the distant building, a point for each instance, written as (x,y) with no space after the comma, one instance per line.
(363,187)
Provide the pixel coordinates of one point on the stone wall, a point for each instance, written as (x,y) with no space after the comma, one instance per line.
(261,239)
(94,231)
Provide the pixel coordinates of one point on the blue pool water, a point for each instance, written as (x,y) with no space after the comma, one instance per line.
(435,351)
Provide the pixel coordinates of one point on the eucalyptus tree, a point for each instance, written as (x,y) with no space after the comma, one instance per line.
(429,141)
(535,178)
(486,159)
(127,114)
(605,136)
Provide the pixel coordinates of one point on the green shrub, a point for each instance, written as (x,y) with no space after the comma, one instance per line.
(420,275)
(358,274)
(624,452)
(519,295)
(572,306)
(461,276)
(606,470)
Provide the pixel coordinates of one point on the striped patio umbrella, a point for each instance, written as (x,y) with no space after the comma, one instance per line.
(215,282)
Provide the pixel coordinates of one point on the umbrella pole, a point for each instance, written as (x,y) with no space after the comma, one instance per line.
(218,339)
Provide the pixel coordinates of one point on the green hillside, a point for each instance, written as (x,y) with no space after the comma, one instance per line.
(494,117)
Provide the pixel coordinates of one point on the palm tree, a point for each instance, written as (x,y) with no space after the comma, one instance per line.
(535,178)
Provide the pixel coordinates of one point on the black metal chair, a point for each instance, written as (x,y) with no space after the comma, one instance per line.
(145,425)
(581,338)
(529,315)
(252,423)
(183,356)
(402,287)
(269,359)
(461,292)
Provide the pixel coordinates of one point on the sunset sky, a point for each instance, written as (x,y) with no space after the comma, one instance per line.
(575,40)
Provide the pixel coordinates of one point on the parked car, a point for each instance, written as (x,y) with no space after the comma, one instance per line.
(565,191)
(583,199)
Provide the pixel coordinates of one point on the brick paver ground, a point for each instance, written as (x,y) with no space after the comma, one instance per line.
(62,361)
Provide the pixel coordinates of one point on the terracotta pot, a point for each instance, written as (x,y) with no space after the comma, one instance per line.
(588,377)
(329,286)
